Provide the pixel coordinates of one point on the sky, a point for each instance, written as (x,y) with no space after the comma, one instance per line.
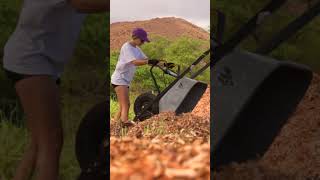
(194,11)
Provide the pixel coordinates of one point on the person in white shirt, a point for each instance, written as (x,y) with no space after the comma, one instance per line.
(34,59)
(130,57)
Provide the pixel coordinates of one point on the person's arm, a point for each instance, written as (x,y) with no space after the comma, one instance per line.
(141,62)
(90,6)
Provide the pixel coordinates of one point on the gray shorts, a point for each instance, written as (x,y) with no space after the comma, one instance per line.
(36,66)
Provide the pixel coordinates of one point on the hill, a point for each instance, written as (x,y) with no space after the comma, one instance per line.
(168,27)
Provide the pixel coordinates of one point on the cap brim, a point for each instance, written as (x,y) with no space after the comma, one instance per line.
(146,40)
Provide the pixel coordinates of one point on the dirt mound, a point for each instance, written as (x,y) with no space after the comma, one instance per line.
(295,153)
(159,158)
(169,27)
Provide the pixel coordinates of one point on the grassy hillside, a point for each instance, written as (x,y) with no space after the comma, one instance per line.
(302,48)
(83,85)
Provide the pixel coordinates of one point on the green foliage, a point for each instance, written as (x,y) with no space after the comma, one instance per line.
(184,51)
(8,19)
(13,142)
(156,48)
(93,47)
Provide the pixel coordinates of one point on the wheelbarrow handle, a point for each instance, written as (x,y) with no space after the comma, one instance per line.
(289,30)
(167,70)
(154,78)
(245,31)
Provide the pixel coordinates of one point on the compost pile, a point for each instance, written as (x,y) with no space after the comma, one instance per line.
(295,153)
(163,147)
(168,27)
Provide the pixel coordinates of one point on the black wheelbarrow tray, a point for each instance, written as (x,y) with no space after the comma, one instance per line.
(253,95)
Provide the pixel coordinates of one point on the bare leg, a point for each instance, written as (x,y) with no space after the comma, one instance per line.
(123,98)
(118,115)
(27,164)
(39,97)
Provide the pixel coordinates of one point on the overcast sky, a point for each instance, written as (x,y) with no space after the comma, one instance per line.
(194,11)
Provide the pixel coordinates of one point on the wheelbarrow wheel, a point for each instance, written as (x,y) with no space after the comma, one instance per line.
(142,101)
(91,138)
(91,176)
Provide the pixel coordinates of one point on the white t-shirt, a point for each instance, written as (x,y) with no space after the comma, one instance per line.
(125,70)
(44,38)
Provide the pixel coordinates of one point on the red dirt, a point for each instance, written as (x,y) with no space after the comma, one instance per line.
(169,27)
(295,153)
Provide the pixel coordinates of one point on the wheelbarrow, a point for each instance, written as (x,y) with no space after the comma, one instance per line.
(180,96)
(253,95)
(92,143)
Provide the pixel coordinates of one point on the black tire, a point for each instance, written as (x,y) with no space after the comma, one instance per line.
(142,101)
(91,137)
(91,176)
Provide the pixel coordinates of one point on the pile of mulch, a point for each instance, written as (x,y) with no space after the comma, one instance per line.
(162,157)
(295,153)
(165,146)
(202,109)
(188,126)
(194,124)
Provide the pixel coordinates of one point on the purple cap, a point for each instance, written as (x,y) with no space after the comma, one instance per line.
(141,34)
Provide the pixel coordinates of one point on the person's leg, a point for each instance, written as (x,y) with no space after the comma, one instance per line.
(39,97)
(118,115)
(27,164)
(123,99)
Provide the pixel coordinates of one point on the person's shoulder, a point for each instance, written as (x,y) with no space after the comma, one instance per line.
(125,45)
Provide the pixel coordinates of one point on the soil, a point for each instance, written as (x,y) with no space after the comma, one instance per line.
(169,27)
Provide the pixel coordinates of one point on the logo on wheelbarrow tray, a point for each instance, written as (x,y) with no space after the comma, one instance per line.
(180,85)
(225,77)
